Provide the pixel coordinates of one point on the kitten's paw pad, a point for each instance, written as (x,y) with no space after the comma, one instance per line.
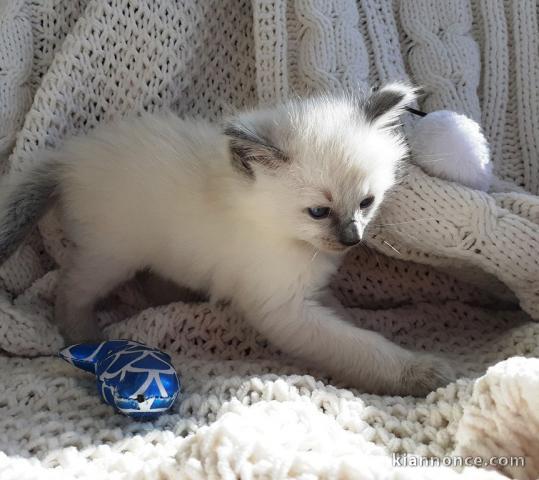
(425,373)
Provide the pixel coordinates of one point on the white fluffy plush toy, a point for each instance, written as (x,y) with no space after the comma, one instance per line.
(451,146)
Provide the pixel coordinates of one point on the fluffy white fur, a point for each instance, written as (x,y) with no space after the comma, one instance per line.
(227,214)
(452,146)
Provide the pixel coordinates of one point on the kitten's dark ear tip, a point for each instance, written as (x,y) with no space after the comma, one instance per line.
(387,103)
(249,143)
(405,92)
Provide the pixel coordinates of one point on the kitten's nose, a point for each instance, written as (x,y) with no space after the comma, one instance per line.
(350,233)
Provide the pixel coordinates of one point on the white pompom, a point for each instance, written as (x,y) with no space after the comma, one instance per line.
(451,146)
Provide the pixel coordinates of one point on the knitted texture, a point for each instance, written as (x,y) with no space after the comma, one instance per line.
(445,269)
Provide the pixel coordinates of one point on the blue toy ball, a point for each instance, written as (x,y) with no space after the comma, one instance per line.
(139,381)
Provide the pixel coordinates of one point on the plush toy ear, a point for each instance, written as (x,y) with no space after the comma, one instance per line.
(384,106)
(82,355)
(86,355)
(250,144)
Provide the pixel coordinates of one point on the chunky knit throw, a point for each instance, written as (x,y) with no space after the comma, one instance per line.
(445,269)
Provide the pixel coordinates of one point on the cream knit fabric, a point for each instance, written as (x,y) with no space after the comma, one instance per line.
(445,269)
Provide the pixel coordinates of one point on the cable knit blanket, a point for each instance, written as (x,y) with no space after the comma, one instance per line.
(445,269)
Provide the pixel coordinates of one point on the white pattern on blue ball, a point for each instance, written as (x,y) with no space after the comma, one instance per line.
(138,380)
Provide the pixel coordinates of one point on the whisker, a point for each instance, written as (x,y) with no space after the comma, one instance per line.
(391,246)
(409,235)
(402,223)
(433,161)
(445,154)
(439,154)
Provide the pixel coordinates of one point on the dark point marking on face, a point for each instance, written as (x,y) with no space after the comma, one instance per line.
(346,230)
(349,233)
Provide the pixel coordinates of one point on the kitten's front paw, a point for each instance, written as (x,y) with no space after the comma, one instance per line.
(424,373)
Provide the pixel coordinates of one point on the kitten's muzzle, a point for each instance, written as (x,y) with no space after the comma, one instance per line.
(350,233)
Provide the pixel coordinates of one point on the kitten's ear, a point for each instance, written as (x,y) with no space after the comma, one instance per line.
(384,106)
(249,145)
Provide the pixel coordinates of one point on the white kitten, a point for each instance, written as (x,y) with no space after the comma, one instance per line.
(259,213)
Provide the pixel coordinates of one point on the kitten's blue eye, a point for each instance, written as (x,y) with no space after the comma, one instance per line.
(366,202)
(319,212)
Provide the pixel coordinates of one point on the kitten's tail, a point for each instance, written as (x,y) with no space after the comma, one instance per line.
(24,199)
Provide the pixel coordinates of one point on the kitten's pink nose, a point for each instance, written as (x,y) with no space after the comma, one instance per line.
(350,233)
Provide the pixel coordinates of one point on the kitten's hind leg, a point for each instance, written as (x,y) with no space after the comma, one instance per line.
(87,278)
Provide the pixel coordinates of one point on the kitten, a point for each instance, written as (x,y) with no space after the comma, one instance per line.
(259,212)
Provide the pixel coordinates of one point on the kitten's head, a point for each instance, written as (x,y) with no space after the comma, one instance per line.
(318,169)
